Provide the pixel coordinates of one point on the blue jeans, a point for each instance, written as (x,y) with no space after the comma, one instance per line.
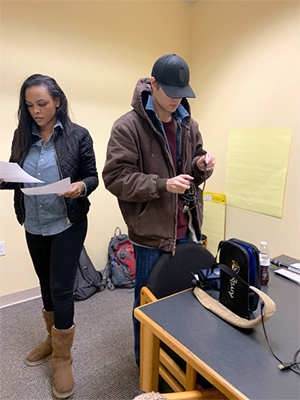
(145,259)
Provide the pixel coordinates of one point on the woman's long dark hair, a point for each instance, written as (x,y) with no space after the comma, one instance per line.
(23,136)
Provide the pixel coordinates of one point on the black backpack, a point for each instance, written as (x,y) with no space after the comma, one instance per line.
(239,264)
(120,268)
(239,286)
(88,280)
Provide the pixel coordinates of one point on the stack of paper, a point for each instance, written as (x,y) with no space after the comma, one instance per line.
(293,276)
(12,172)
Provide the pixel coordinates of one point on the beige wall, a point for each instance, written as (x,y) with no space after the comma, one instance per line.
(244,60)
(96,51)
(245,63)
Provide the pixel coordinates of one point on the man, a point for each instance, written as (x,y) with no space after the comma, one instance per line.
(155,154)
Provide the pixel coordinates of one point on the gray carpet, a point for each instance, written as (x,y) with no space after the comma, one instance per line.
(103,367)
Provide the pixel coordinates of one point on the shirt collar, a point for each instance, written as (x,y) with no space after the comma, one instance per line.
(180,112)
(35,130)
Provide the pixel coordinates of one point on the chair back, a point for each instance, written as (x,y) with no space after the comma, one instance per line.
(172,274)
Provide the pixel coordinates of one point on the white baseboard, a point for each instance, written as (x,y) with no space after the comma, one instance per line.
(19,297)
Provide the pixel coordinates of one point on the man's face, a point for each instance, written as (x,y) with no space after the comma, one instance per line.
(162,102)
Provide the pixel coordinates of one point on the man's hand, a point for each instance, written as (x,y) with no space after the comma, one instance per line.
(77,188)
(210,161)
(179,184)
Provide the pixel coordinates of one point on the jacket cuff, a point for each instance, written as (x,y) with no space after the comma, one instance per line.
(84,193)
(161,185)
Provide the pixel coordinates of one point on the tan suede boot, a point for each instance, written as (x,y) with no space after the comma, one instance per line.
(42,352)
(61,362)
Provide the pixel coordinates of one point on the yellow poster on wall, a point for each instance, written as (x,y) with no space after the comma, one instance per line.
(257,164)
(214,212)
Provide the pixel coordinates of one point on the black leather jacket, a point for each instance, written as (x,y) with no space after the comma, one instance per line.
(77,162)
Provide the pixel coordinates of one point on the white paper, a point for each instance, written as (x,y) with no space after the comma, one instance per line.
(53,188)
(12,172)
(296,265)
(207,197)
(288,274)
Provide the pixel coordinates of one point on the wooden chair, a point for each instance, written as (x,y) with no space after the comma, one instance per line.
(203,394)
(172,274)
(190,395)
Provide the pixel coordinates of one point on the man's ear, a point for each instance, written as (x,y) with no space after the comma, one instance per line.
(153,82)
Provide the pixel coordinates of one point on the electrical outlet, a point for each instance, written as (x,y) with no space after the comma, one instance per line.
(2,249)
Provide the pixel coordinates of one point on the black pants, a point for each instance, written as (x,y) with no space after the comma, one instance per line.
(55,259)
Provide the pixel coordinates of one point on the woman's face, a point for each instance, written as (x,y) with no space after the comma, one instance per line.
(41,106)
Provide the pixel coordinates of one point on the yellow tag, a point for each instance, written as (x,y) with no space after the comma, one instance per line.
(216,197)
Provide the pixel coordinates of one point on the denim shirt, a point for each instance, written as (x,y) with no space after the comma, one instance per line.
(178,115)
(45,214)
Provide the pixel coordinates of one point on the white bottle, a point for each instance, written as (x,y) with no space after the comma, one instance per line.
(264,260)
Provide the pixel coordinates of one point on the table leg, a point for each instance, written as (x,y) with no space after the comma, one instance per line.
(149,362)
(191,378)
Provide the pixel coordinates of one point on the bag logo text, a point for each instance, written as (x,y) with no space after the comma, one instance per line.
(233,282)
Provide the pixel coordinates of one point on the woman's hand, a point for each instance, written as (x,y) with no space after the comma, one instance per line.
(77,188)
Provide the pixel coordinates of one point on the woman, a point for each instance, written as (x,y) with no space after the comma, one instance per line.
(48,146)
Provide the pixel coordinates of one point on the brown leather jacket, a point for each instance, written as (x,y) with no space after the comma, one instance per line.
(138,165)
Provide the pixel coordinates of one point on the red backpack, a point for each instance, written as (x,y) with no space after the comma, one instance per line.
(120,268)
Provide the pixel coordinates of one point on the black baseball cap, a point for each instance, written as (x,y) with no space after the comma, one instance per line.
(173,75)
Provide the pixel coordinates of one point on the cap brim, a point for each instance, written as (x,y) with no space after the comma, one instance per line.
(177,92)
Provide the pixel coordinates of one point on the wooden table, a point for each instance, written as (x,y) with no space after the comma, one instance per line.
(237,362)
